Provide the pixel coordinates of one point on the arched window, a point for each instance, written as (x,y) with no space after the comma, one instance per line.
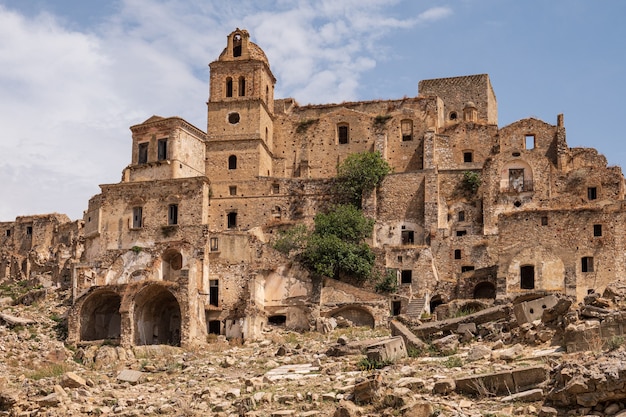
(232,162)
(267,94)
(242,87)
(229,87)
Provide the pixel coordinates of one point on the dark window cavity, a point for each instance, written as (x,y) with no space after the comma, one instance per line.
(467,268)
(343,134)
(232,220)
(229,87)
(408,237)
(457,254)
(237,45)
(468,157)
(29,230)
(142,157)
(162,150)
(214,296)
(172,214)
(232,190)
(406,276)
(544,220)
(214,244)
(527,277)
(232,162)
(592,193)
(233,118)
(461,232)
(461,216)
(242,87)
(587,264)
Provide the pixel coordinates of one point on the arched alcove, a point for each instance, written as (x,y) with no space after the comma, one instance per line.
(100,316)
(157,317)
(172,263)
(485,289)
(357,315)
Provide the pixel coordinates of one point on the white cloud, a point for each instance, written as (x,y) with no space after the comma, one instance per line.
(69,96)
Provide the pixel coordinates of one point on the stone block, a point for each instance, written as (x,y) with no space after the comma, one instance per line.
(444,386)
(410,340)
(71,380)
(529,311)
(529,377)
(128,375)
(389,350)
(526,396)
(367,391)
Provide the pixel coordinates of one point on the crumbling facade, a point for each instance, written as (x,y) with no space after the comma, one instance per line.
(181,246)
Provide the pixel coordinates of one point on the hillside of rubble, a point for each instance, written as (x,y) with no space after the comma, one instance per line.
(480,363)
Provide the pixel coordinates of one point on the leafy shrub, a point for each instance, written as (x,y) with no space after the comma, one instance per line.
(388,283)
(358,173)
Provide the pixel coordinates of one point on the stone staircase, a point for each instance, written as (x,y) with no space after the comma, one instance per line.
(415,308)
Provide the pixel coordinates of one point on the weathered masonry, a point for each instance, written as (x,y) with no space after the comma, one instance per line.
(180,247)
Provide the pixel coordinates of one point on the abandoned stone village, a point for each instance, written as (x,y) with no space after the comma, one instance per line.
(181,250)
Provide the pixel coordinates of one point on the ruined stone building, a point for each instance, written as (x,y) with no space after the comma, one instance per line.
(181,246)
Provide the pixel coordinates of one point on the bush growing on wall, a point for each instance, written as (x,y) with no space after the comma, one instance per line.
(358,173)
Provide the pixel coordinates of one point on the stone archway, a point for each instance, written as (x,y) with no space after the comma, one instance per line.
(100,316)
(157,317)
(357,315)
(485,289)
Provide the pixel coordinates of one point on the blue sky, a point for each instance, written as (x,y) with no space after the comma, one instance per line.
(74,75)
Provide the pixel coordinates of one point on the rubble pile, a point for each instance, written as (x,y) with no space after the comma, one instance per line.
(522,358)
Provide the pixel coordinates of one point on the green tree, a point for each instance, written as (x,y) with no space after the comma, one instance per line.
(358,173)
(336,245)
(293,239)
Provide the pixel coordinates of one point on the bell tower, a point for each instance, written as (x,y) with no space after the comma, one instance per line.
(240,110)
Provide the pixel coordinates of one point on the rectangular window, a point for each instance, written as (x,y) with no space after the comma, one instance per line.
(544,221)
(461,232)
(231,220)
(342,134)
(214,287)
(8,232)
(406,126)
(586,264)
(275,189)
(408,237)
(172,214)
(232,190)
(597,230)
(137,217)
(142,154)
(461,216)
(516,179)
(399,258)
(406,276)
(467,157)
(467,268)
(527,277)
(529,142)
(214,244)
(457,254)
(592,193)
(29,230)
(162,150)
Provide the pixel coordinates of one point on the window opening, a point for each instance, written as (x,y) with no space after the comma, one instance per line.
(467,157)
(406,127)
(267,94)
(461,232)
(461,216)
(242,87)
(29,230)
(214,287)
(544,221)
(232,190)
(592,193)
(399,258)
(137,217)
(516,179)
(8,232)
(597,230)
(453,115)
(529,141)
(275,188)
(457,254)
(172,214)
(142,153)
(232,220)
(587,264)
(342,134)
(277,213)
(232,162)
(467,268)
(396,308)
(527,277)
(162,150)
(214,244)
(406,276)
(233,118)
(408,237)
(214,327)
(229,87)
(277,320)
(237,45)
